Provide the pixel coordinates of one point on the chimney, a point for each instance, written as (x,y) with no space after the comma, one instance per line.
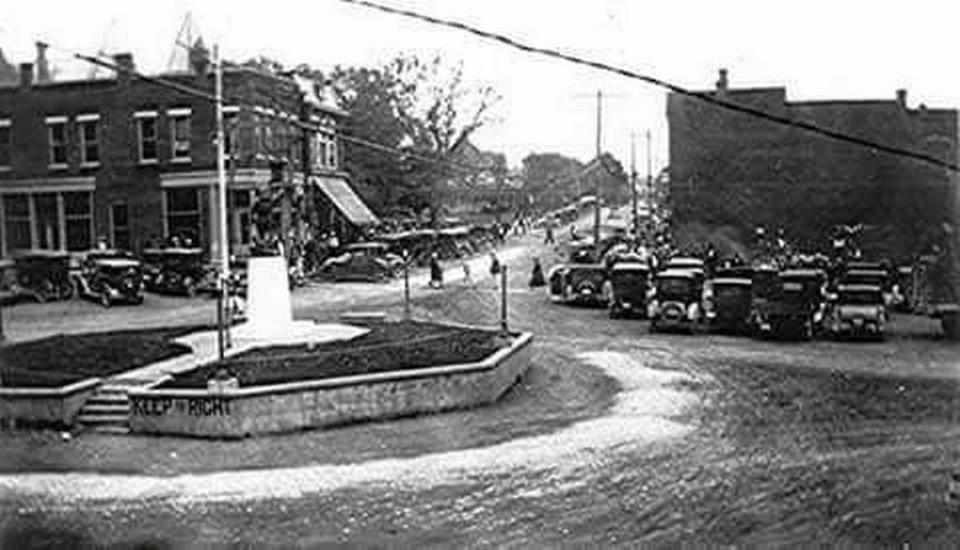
(26,75)
(722,82)
(43,68)
(902,98)
(124,62)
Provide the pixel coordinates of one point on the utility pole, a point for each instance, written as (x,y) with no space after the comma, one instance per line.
(224,300)
(649,187)
(633,187)
(596,185)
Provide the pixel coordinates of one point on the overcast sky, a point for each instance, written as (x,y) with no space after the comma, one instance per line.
(817,49)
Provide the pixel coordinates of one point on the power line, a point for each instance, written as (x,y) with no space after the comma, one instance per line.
(705,97)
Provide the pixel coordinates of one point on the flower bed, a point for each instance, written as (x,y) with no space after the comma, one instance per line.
(387,347)
(63,360)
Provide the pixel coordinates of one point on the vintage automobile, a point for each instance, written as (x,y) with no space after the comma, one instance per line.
(857,310)
(110,277)
(677,302)
(794,308)
(174,270)
(10,291)
(43,275)
(628,289)
(363,262)
(729,305)
(582,252)
(581,284)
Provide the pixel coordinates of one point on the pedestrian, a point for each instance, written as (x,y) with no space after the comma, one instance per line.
(548,238)
(436,271)
(467,279)
(536,278)
(494,266)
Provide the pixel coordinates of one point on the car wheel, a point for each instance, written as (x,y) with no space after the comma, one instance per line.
(105,299)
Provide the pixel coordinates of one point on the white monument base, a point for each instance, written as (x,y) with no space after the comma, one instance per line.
(270,315)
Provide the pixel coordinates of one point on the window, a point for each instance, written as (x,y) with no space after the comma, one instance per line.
(89,126)
(325,151)
(179,134)
(231,120)
(183,214)
(16,221)
(5,145)
(46,220)
(57,141)
(78,219)
(120,226)
(147,131)
(332,153)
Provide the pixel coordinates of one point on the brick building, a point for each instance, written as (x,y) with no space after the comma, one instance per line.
(729,168)
(132,162)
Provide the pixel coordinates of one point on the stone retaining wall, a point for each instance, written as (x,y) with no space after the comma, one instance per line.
(322,403)
(46,406)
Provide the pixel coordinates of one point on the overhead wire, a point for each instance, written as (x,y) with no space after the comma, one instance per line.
(654,81)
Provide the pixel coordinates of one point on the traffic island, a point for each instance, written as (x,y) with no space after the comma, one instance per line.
(396,369)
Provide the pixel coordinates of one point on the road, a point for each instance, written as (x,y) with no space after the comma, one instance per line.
(616,437)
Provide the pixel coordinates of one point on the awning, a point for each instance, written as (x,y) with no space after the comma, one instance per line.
(346,200)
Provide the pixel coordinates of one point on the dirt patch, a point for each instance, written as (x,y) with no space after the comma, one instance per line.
(64,359)
(387,347)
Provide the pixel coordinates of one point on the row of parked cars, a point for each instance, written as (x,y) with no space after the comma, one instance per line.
(762,301)
(111,276)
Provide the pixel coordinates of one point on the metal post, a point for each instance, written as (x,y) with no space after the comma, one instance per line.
(406,285)
(503,298)
(222,206)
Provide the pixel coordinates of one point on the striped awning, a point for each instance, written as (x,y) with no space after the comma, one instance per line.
(346,200)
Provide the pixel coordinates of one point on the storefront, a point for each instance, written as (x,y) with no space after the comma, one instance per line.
(48,214)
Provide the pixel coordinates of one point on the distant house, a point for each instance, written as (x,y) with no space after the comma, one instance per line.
(484,187)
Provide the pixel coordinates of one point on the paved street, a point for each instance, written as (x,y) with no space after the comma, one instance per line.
(615,437)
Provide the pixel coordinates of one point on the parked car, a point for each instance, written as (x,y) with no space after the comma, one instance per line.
(10,290)
(729,305)
(857,310)
(110,276)
(677,302)
(629,289)
(684,262)
(795,308)
(378,249)
(579,284)
(363,264)
(43,275)
(174,270)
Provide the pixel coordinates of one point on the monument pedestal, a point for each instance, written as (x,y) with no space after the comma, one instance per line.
(270,314)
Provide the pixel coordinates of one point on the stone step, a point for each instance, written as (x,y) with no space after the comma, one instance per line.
(101,418)
(97,407)
(108,398)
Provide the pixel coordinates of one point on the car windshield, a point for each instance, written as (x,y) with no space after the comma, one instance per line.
(731,292)
(860,297)
(674,286)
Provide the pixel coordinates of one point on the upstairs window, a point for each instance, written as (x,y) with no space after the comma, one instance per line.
(147,133)
(5,144)
(57,141)
(179,135)
(89,126)
(231,119)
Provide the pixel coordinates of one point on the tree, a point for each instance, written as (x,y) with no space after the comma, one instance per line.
(423,107)
(551,178)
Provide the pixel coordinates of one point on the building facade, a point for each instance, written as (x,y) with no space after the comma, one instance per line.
(729,168)
(133,163)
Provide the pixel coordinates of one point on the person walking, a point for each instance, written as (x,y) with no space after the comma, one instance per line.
(494,267)
(536,278)
(436,271)
(548,237)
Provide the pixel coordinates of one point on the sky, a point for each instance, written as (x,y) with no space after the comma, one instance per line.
(817,49)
